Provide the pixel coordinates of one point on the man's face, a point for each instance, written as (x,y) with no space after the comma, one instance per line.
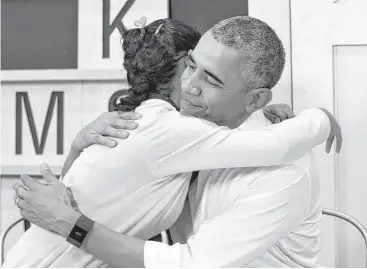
(215,70)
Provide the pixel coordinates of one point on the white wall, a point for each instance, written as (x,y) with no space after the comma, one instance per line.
(351,97)
(86,95)
(328,46)
(277,15)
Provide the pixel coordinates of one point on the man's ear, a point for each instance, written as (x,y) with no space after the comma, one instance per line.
(258,99)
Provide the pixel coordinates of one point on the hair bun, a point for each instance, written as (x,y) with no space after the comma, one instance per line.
(150,59)
(136,38)
(139,91)
(141,84)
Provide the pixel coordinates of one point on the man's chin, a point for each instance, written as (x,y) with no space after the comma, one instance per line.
(189,109)
(193,111)
(189,113)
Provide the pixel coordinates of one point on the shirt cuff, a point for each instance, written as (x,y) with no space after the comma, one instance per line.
(158,254)
(321,126)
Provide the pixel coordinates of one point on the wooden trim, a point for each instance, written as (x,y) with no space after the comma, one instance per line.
(17,176)
(169,5)
(339,256)
(17,76)
(13,171)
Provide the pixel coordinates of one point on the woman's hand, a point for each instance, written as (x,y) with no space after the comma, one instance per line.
(278,112)
(46,205)
(107,125)
(335,132)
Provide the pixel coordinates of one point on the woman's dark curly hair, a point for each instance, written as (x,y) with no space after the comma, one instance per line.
(151,58)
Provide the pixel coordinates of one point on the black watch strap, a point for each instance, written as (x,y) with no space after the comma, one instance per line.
(80,231)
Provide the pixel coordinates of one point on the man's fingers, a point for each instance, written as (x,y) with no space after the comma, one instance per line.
(22,204)
(116,133)
(47,174)
(124,124)
(127,115)
(329,143)
(104,141)
(20,191)
(16,199)
(19,202)
(30,182)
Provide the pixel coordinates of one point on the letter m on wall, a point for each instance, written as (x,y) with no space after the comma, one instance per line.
(57,99)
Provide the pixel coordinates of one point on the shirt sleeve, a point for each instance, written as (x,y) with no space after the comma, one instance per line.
(183,144)
(262,215)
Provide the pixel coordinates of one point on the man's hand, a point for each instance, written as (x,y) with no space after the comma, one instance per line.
(278,112)
(108,124)
(335,132)
(47,205)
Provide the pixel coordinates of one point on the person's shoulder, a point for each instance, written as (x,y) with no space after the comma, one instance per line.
(154,111)
(175,120)
(155,107)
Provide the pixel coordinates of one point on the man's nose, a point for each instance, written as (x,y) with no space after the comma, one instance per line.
(191,85)
(189,89)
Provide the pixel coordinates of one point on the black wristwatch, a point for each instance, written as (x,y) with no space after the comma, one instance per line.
(80,231)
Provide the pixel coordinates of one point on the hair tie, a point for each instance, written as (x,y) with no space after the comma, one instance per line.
(159,27)
(141,24)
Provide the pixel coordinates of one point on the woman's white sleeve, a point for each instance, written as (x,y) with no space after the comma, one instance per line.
(184,144)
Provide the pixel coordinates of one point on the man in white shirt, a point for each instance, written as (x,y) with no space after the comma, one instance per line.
(267,217)
(252,217)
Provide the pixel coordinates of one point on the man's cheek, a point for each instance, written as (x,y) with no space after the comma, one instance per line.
(216,111)
(184,78)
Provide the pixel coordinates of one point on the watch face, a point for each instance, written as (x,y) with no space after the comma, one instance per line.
(78,234)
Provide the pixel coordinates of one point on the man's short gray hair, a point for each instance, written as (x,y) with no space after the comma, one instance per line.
(264,55)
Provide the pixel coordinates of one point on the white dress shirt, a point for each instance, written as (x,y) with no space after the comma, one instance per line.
(140,186)
(247,217)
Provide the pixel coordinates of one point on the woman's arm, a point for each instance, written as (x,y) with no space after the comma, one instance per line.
(183,144)
(115,124)
(72,156)
(107,125)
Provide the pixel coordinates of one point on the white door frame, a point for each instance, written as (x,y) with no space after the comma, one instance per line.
(319,28)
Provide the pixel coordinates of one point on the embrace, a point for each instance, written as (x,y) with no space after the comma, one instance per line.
(193,148)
